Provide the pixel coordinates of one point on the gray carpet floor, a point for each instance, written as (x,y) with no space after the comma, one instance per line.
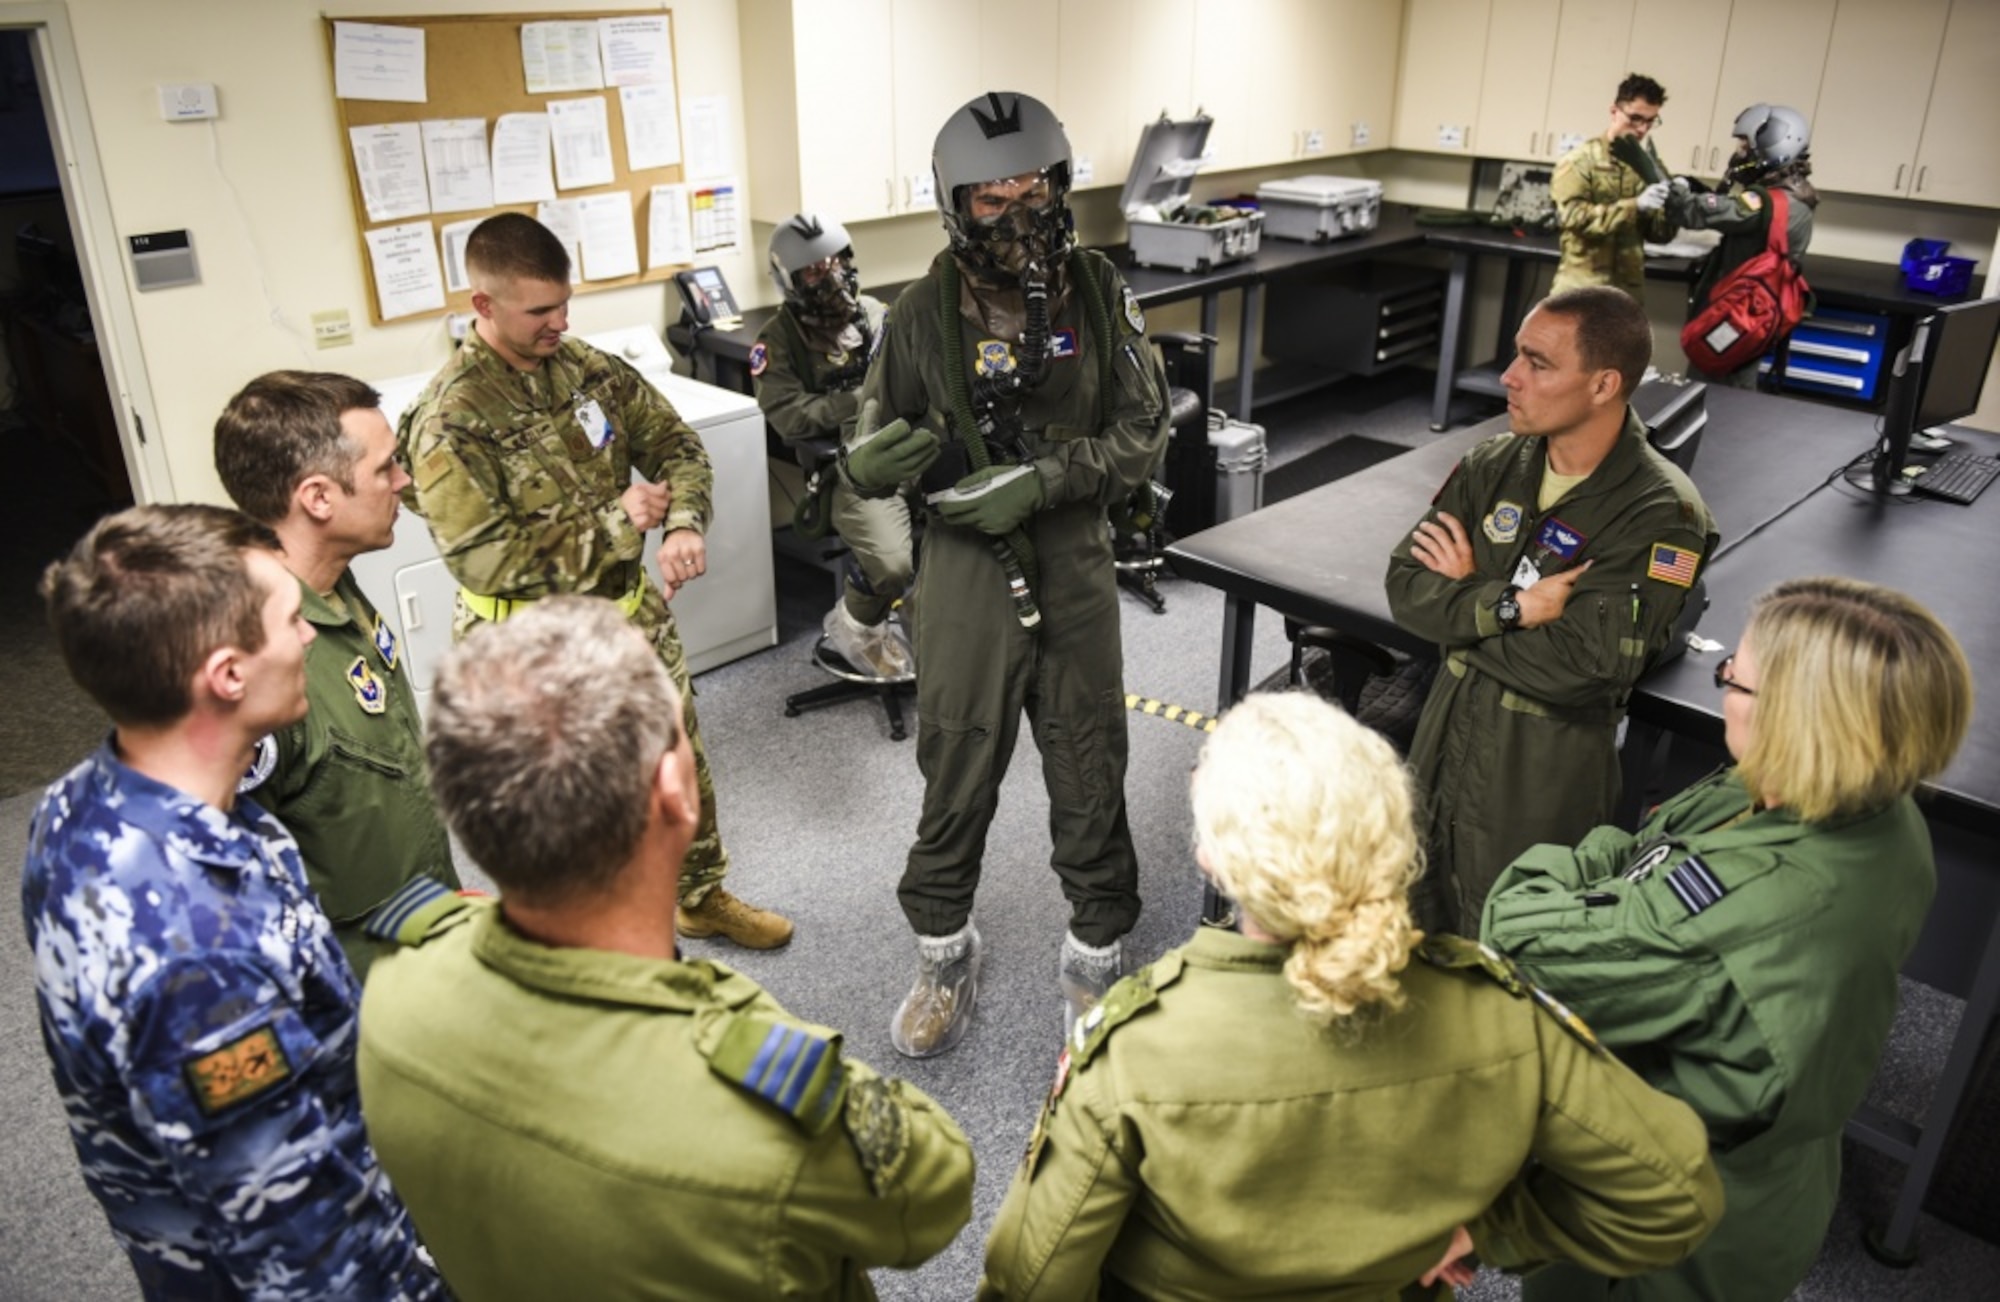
(818,812)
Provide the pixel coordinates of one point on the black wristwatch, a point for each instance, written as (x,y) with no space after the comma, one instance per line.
(1508,609)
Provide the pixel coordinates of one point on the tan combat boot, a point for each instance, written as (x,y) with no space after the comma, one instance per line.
(722,914)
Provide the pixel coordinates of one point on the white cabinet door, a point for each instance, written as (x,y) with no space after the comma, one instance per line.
(1865,140)
(1959,161)
(1683,53)
(818,108)
(1093,59)
(1232,70)
(1514,82)
(1775,55)
(1442,65)
(1590,48)
(934,61)
(1350,97)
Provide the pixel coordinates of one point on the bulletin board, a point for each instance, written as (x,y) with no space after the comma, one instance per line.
(473,69)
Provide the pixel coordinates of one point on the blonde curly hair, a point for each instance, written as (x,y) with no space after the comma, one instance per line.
(1305,819)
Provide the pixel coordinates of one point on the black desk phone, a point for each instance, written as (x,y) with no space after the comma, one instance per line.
(707,298)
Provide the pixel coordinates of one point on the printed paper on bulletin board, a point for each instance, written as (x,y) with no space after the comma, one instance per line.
(473,70)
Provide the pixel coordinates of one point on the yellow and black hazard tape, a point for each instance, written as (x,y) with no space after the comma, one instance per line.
(1161,710)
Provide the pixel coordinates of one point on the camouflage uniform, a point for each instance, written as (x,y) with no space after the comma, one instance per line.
(201,1023)
(1603,231)
(800,389)
(523,506)
(348,779)
(640,1128)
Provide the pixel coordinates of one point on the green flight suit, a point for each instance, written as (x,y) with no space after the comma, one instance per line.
(982,669)
(1517,743)
(1205,1141)
(796,389)
(1603,232)
(1746,962)
(577,1123)
(1744,218)
(347,781)
(523,506)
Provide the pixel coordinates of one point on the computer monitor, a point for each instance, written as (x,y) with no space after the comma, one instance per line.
(1937,379)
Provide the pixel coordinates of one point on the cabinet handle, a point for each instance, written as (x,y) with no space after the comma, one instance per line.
(1898,186)
(1534,139)
(1694,163)
(889,190)
(1922,172)
(413,618)
(1712,159)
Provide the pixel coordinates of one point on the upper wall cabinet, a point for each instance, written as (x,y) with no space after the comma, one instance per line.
(1589,64)
(818,109)
(1514,83)
(1685,57)
(1864,141)
(1442,68)
(1775,55)
(1956,161)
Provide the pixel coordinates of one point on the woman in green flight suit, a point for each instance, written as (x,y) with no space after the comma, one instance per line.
(1741,951)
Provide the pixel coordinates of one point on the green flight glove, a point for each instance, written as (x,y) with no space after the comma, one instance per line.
(994,500)
(882,459)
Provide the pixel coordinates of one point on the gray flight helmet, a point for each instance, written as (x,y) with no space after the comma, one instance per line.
(1000,134)
(1777,134)
(800,242)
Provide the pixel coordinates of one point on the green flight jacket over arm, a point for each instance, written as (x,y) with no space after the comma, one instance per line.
(521,502)
(1079,458)
(578,1123)
(1744,219)
(1746,962)
(1205,1141)
(790,378)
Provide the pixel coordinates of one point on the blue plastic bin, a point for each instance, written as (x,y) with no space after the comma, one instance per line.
(1927,269)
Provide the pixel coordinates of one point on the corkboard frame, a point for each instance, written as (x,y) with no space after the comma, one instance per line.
(472,69)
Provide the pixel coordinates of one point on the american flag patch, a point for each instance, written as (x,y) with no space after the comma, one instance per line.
(1694,885)
(1673,565)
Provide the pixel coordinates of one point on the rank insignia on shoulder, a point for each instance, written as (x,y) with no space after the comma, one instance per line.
(793,1068)
(760,358)
(1675,565)
(408,916)
(1695,885)
(1502,524)
(238,1071)
(995,357)
(369,693)
(878,1125)
(263,762)
(1133,316)
(385,641)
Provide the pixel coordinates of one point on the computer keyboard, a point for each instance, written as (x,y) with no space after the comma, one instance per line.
(1958,477)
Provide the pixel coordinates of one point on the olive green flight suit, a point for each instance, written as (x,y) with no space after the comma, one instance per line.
(982,669)
(1205,1141)
(794,389)
(347,781)
(524,507)
(1744,218)
(1746,962)
(578,1123)
(1517,743)
(1604,234)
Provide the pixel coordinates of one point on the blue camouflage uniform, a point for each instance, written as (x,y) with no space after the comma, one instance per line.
(201,1023)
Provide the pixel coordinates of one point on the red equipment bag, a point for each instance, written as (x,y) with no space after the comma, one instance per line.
(1753,309)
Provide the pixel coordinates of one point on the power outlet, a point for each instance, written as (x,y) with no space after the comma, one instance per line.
(188,101)
(332,329)
(1315,142)
(1361,135)
(1084,172)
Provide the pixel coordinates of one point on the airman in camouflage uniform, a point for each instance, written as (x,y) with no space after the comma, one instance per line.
(635,1124)
(522,450)
(196,1009)
(1607,210)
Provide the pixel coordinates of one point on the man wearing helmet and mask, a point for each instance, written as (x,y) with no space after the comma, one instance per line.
(1770,155)
(808,364)
(1016,388)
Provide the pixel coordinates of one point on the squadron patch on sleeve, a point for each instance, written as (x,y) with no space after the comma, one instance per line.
(238,1071)
(1133,316)
(880,1131)
(263,761)
(760,358)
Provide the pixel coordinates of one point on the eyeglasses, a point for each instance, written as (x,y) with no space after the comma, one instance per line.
(814,272)
(1030,189)
(1639,121)
(1724,683)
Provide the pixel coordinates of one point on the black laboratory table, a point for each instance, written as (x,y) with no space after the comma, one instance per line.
(1770,469)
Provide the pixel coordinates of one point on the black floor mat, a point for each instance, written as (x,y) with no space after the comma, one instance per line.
(1336,460)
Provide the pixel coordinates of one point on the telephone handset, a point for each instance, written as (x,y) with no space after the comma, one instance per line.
(707,298)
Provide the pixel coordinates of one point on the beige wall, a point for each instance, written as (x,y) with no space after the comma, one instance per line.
(264,191)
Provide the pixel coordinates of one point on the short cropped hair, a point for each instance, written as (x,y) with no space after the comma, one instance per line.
(1612,332)
(283,428)
(514,246)
(1638,85)
(144,598)
(1306,819)
(1861,695)
(544,734)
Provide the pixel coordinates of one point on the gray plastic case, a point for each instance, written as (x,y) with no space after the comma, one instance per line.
(1162,176)
(1317,209)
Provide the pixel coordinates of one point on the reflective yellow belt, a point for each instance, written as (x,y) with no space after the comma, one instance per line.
(499,608)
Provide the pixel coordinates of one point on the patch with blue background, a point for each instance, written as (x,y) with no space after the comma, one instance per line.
(1558,539)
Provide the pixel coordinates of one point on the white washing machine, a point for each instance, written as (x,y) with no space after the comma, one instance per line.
(727,613)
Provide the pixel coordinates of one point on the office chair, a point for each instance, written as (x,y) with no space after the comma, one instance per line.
(816,457)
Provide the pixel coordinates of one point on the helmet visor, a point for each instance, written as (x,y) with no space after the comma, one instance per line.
(988,201)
